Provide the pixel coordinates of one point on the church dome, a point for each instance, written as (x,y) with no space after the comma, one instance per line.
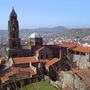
(35,35)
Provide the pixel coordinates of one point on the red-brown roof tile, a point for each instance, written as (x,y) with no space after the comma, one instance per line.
(51,62)
(70,46)
(15,70)
(21,60)
(82,49)
(54,47)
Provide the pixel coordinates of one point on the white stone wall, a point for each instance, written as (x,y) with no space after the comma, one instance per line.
(72,80)
(81,61)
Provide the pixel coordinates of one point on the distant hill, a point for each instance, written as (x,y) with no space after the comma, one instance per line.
(46,30)
(62,31)
(79,33)
(27,32)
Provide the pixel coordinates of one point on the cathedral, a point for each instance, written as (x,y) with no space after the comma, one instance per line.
(35,46)
(15,49)
(34,61)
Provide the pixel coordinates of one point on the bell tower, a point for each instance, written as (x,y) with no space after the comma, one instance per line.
(13,35)
(13,31)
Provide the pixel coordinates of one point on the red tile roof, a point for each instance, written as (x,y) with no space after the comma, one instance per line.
(15,70)
(56,47)
(70,45)
(21,60)
(51,62)
(82,49)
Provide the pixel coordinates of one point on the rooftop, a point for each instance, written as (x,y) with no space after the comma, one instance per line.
(51,62)
(53,47)
(21,60)
(70,46)
(15,70)
(82,49)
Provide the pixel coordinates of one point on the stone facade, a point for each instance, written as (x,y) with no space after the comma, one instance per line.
(44,53)
(73,80)
(79,59)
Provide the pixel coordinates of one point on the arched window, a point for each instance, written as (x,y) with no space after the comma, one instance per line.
(13,28)
(13,32)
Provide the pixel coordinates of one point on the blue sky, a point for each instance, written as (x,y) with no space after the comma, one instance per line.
(46,13)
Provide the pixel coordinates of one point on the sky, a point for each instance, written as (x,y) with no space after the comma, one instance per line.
(46,13)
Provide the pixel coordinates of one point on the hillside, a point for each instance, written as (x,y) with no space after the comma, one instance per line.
(26,32)
(79,33)
(60,30)
(43,85)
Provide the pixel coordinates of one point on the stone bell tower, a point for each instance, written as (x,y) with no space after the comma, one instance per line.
(13,34)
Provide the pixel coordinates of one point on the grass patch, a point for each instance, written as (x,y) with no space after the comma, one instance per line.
(43,85)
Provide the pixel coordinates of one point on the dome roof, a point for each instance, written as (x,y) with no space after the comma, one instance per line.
(35,35)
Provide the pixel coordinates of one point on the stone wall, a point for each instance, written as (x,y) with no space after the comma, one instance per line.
(81,61)
(70,79)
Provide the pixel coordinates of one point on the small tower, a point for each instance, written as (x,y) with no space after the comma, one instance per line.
(35,39)
(13,33)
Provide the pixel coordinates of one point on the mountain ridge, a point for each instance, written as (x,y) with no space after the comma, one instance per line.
(61,30)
